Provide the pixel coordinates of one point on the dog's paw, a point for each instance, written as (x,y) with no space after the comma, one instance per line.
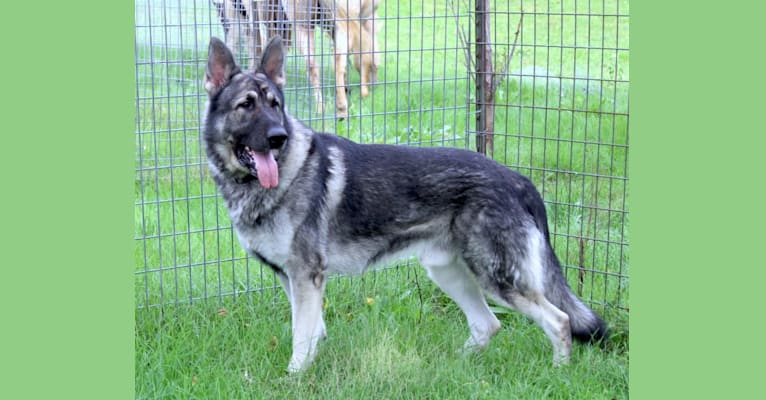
(300,363)
(471,347)
(560,360)
(295,368)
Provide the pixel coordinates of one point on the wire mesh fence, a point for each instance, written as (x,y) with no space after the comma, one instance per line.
(560,117)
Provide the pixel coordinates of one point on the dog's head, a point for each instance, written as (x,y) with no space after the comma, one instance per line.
(246,127)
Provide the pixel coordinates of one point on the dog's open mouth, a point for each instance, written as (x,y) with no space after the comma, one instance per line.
(262,165)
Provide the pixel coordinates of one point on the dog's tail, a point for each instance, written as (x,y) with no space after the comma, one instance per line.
(586,325)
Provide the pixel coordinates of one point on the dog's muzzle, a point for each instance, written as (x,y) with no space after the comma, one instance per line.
(263,164)
(276,136)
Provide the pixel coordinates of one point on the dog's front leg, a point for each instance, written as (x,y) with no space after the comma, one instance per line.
(286,286)
(304,39)
(306,291)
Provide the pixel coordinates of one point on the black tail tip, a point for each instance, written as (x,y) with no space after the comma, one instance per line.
(598,334)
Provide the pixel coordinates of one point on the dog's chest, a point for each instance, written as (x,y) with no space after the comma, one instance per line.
(271,240)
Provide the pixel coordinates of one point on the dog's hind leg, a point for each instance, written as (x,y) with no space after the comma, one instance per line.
(367,68)
(306,291)
(341,60)
(507,251)
(369,59)
(554,322)
(454,278)
(526,294)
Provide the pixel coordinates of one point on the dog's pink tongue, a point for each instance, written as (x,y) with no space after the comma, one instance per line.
(266,165)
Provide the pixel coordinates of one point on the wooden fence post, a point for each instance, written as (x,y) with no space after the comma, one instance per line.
(485,94)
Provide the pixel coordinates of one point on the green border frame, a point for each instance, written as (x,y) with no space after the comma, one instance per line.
(695,166)
(67,214)
(696,145)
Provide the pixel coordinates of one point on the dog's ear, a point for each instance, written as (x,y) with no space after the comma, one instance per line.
(273,62)
(220,66)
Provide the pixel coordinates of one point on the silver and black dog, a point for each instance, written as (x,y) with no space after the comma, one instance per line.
(308,203)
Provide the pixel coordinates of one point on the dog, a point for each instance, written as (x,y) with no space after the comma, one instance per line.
(350,24)
(308,204)
(352,30)
(255,20)
(355,27)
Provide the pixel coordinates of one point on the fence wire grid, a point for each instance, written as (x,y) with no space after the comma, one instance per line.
(560,117)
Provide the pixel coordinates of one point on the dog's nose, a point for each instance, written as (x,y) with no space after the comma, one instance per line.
(276,137)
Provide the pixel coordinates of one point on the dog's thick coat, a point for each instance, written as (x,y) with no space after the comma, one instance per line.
(308,203)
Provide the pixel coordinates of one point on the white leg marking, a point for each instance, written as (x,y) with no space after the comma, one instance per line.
(307,323)
(458,283)
(286,286)
(554,322)
(529,299)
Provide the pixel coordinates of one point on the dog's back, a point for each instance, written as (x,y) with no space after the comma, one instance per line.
(399,201)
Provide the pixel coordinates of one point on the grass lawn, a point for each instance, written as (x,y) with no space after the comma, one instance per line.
(387,338)
(561,118)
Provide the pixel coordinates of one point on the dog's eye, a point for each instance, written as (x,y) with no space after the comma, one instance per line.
(275,103)
(246,104)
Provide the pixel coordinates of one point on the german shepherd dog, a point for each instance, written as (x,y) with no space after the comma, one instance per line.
(308,204)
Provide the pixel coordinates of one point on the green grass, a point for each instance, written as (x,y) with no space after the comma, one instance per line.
(561,119)
(397,347)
